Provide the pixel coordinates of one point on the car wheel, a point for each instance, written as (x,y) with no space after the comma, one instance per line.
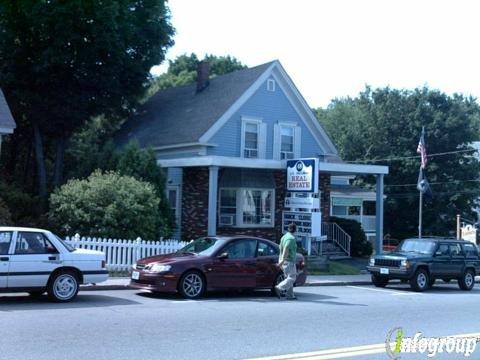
(36,294)
(446,280)
(63,286)
(278,279)
(379,281)
(420,280)
(467,281)
(192,285)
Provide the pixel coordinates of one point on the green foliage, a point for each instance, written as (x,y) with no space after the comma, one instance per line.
(23,208)
(107,205)
(386,124)
(359,245)
(183,70)
(5,216)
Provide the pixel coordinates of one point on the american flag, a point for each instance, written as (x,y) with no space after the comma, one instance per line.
(421,149)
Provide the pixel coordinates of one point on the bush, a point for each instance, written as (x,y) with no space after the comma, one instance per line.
(107,205)
(24,209)
(359,245)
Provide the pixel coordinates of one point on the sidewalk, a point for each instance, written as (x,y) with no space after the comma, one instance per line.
(121,283)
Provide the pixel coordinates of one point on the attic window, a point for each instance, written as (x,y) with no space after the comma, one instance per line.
(270,85)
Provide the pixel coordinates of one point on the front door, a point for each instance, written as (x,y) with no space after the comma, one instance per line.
(33,261)
(238,269)
(5,242)
(441,260)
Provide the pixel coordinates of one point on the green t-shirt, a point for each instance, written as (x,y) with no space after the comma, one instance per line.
(288,241)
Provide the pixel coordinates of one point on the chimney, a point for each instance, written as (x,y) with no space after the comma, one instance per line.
(203,72)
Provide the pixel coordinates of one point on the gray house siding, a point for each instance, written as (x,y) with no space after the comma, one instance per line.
(270,107)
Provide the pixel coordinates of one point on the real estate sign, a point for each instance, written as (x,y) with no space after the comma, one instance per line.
(302,175)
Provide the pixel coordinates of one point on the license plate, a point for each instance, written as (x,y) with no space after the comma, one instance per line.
(135,275)
(384,271)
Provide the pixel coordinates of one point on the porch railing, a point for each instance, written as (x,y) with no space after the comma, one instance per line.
(339,237)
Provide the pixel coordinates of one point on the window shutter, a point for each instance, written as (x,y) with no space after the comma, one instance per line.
(297,142)
(262,141)
(276,142)
(242,139)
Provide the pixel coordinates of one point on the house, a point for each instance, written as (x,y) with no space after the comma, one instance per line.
(224,142)
(7,124)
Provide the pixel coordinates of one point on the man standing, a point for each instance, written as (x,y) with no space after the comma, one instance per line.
(288,255)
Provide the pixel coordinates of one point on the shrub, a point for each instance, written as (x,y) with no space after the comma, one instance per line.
(359,245)
(5,216)
(107,205)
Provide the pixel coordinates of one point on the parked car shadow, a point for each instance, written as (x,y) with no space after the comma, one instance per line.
(438,288)
(252,296)
(21,302)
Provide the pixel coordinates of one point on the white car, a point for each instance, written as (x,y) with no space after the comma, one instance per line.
(35,261)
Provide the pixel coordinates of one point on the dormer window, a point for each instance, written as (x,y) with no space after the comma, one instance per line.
(287,138)
(251,141)
(253,138)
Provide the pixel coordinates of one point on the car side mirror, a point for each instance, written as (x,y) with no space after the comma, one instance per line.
(222,256)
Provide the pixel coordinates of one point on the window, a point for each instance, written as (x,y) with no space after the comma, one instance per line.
(470,250)
(286,145)
(339,210)
(455,250)
(442,250)
(33,243)
(228,207)
(265,249)
(247,207)
(241,249)
(250,149)
(5,239)
(271,85)
(354,210)
(369,208)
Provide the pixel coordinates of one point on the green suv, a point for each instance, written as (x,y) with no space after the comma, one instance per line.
(422,261)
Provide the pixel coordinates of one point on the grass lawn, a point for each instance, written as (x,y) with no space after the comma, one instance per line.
(335,268)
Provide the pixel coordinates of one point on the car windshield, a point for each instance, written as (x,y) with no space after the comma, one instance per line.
(201,246)
(417,246)
(67,246)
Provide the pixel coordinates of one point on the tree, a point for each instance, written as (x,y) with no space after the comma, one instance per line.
(63,62)
(386,124)
(183,70)
(108,205)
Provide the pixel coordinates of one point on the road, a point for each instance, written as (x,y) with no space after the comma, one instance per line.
(129,324)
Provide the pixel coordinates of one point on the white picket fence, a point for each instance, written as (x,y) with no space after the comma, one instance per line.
(122,254)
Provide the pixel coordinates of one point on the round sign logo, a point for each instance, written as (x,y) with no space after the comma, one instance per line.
(299,166)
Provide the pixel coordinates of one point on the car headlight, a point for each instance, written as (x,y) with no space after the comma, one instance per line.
(372,262)
(404,263)
(160,268)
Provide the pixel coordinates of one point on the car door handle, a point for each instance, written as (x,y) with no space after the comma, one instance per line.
(5,258)
(52,258)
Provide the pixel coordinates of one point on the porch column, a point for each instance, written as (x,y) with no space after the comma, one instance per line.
(212,200)
(379,215)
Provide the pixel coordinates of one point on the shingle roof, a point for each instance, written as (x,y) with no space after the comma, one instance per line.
(6,118)
(179,115)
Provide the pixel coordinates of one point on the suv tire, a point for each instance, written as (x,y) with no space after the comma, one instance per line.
(379,281)
(467,280)
(420,280)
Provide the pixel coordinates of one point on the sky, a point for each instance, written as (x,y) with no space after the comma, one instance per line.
(334,48)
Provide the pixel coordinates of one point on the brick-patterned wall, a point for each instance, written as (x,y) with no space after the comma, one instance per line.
(274,233)
(325,188)
(194,203)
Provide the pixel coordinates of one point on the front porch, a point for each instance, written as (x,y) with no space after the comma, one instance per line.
(216,201)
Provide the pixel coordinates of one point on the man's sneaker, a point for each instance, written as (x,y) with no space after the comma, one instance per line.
(279,293)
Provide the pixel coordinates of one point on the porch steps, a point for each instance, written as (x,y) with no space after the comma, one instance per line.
(329,249)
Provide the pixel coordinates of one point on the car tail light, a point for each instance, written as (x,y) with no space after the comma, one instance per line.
(302,264)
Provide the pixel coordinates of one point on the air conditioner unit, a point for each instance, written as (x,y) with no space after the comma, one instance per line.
(248,153)
(226,219)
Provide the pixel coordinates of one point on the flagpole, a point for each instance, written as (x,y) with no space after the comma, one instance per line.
(420,215)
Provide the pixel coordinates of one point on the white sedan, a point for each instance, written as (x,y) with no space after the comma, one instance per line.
(35,261)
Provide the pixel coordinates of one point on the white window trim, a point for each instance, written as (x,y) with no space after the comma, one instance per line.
(271,85)
(292,126)
(261,136)
(239,204)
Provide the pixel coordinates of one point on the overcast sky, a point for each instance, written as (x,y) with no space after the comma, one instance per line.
(333,48)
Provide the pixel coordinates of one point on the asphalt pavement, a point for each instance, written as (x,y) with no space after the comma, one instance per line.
(131,324)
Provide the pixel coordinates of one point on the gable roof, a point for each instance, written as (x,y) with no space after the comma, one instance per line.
(7,123)
(179,115)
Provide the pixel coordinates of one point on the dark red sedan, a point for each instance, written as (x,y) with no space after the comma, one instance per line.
(214,263)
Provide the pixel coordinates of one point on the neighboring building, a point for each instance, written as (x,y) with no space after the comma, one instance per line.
(355,203)
(7,124)
(225,142)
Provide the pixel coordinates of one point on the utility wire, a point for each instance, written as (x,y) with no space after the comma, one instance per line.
(436,183)
(410,157)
